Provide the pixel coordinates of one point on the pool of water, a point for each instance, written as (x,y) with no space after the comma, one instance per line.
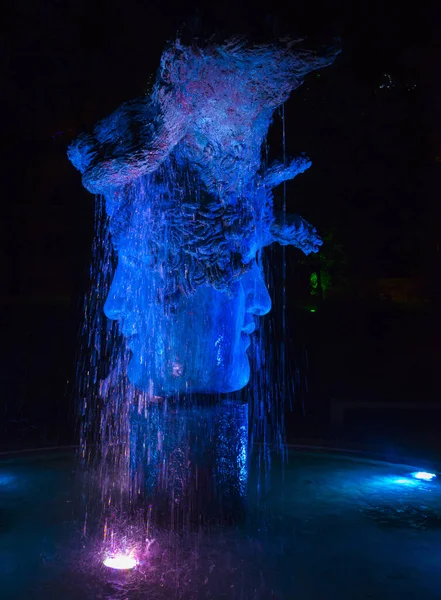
(330,527)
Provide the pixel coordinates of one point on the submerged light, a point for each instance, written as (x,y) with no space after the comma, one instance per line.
(424,475)
(6,479)
(122,562)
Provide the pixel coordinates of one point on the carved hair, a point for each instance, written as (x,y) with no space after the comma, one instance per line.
(181,168)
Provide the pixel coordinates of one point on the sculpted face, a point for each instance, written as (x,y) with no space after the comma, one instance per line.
(190,204)
(201,346)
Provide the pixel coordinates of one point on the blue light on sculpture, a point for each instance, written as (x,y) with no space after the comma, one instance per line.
(190,205)
(201,344)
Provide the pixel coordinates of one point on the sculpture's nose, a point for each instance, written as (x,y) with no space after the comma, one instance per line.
(113,307)
(258,300)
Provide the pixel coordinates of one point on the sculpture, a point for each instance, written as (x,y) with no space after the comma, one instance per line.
(191,206)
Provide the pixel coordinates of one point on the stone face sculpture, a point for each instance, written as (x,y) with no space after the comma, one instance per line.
(190,206)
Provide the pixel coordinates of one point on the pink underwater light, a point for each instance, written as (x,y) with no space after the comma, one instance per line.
(122,562)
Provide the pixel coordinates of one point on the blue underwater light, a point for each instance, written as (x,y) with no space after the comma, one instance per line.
(6,479)
(424,475)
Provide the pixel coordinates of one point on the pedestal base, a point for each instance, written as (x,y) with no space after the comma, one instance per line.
(190,466)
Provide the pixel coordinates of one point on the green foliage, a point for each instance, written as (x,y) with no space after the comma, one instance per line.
(328,267)
(313,281)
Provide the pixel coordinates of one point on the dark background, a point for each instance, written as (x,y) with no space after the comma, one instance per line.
(371,125)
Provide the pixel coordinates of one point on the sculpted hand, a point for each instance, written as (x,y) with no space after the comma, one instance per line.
(295,231)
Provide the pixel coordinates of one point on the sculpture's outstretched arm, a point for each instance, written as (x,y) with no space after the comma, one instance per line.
(279,172)
(295,231)
(290,229)
(131,142)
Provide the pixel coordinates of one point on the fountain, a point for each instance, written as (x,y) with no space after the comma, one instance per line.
(184,211)
(188,204)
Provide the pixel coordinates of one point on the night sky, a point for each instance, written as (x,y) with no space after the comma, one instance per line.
(370,123)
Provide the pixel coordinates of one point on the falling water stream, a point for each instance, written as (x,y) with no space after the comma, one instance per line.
(182,386)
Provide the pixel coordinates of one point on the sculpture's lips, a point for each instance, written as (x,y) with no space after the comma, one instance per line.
(127,330)
(249,328)
(130,338)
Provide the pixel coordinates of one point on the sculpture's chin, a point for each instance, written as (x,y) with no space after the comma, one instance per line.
(233,381)
(239,380)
